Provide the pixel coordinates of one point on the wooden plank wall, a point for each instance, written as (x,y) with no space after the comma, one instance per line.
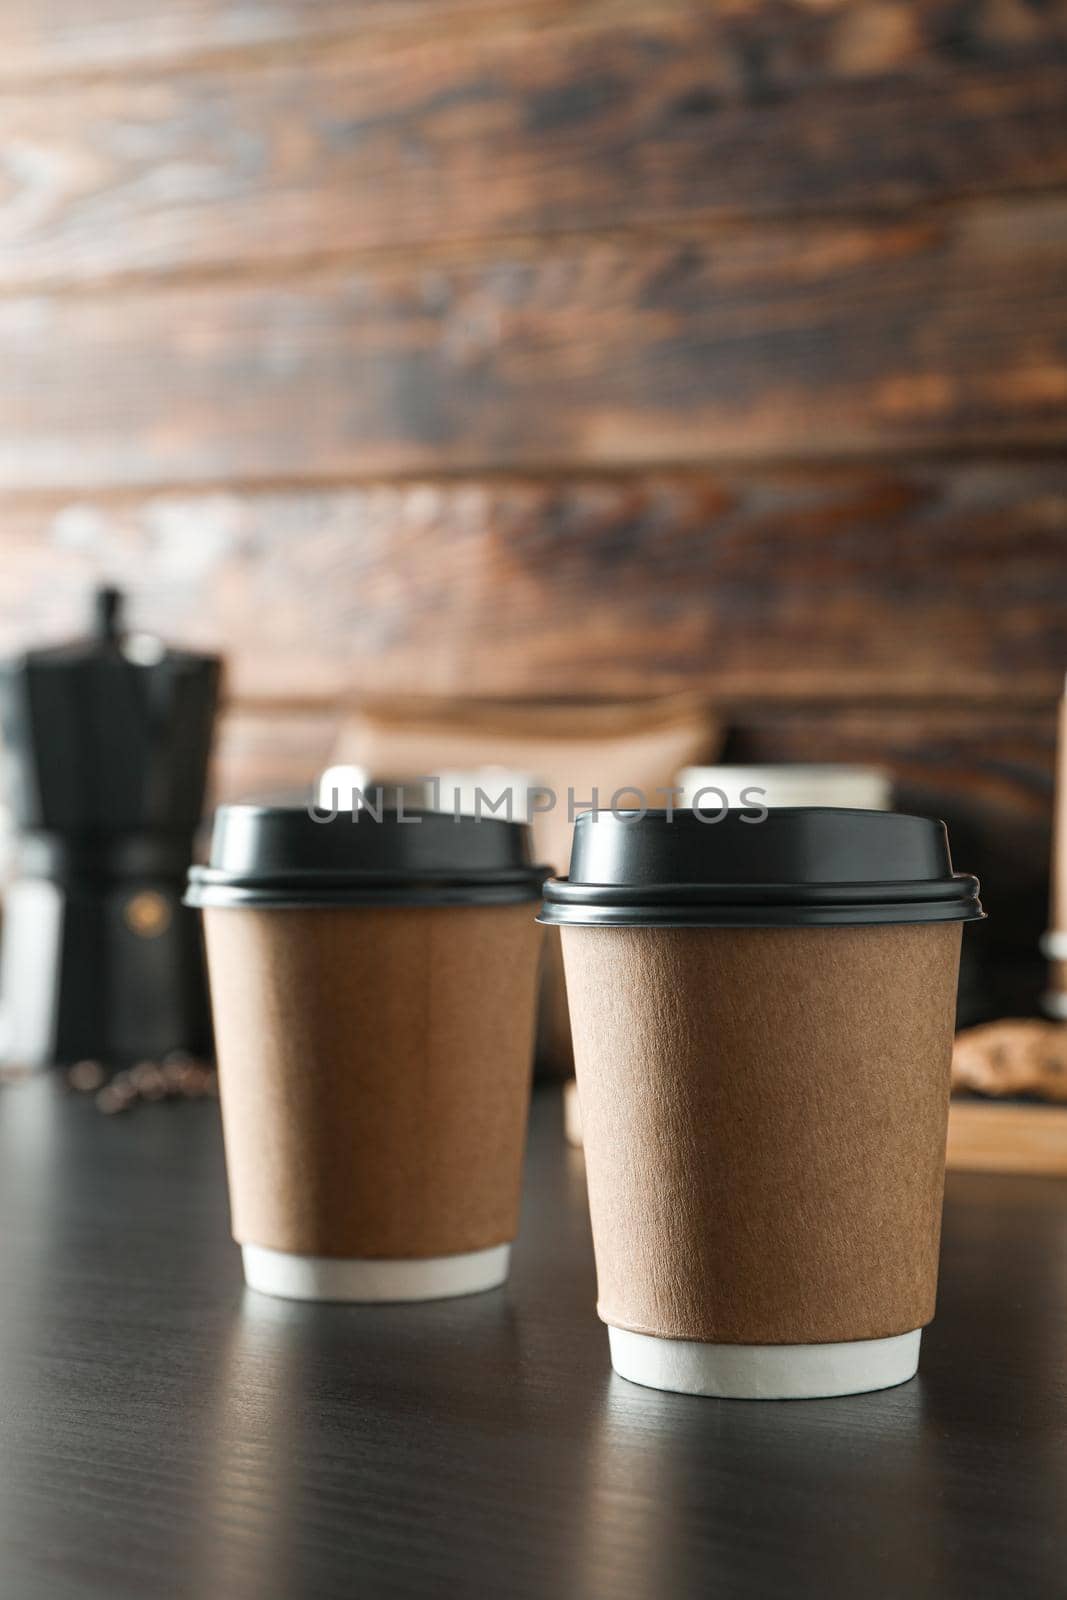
(538,349)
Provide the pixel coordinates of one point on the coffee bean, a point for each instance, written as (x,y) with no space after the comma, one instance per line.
(109,1100)
(86,1077)
(194,1081)
(148,1080)
(173,1076)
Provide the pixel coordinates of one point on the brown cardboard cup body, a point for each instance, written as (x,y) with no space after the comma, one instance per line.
(374,1071)
(764,1114)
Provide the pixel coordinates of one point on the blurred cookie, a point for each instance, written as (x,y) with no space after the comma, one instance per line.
(1014,1057)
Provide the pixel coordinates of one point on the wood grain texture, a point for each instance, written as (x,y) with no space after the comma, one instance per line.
(801,38)
(865,584)
(613,117)
(986,1137)
(801,340)
(479,1447)
(53,38)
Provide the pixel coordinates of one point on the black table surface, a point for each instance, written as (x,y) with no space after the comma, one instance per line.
(164,1432)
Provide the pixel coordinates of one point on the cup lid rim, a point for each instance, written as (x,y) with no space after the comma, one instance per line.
(277,855)
(795,866)
(210,888)
(759,905)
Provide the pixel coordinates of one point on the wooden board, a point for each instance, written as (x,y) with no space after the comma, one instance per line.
(773,42)
(614,117)
(868,584)
(805,340)
(984,1136)
(48,38)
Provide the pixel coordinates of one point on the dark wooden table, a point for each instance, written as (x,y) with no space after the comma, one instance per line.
(163,1433)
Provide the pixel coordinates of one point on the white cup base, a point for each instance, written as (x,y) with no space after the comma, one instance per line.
(764,1371)
(294,1277)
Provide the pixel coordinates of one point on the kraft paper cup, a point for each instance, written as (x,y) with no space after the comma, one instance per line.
(373,994)
(763,1018)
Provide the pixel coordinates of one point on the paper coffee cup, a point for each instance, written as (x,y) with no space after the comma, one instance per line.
(373,987)
(763,1017)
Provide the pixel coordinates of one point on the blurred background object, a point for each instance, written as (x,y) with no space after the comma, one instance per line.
(106,744)
(998,1064)
(1012,1059)
(532,352)
(860,788)
(1054,999)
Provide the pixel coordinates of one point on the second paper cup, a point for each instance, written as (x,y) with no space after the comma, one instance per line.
(373,986)
(762,1015)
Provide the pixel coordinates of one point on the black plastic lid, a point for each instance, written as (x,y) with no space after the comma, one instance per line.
(800,867)
(264,855)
